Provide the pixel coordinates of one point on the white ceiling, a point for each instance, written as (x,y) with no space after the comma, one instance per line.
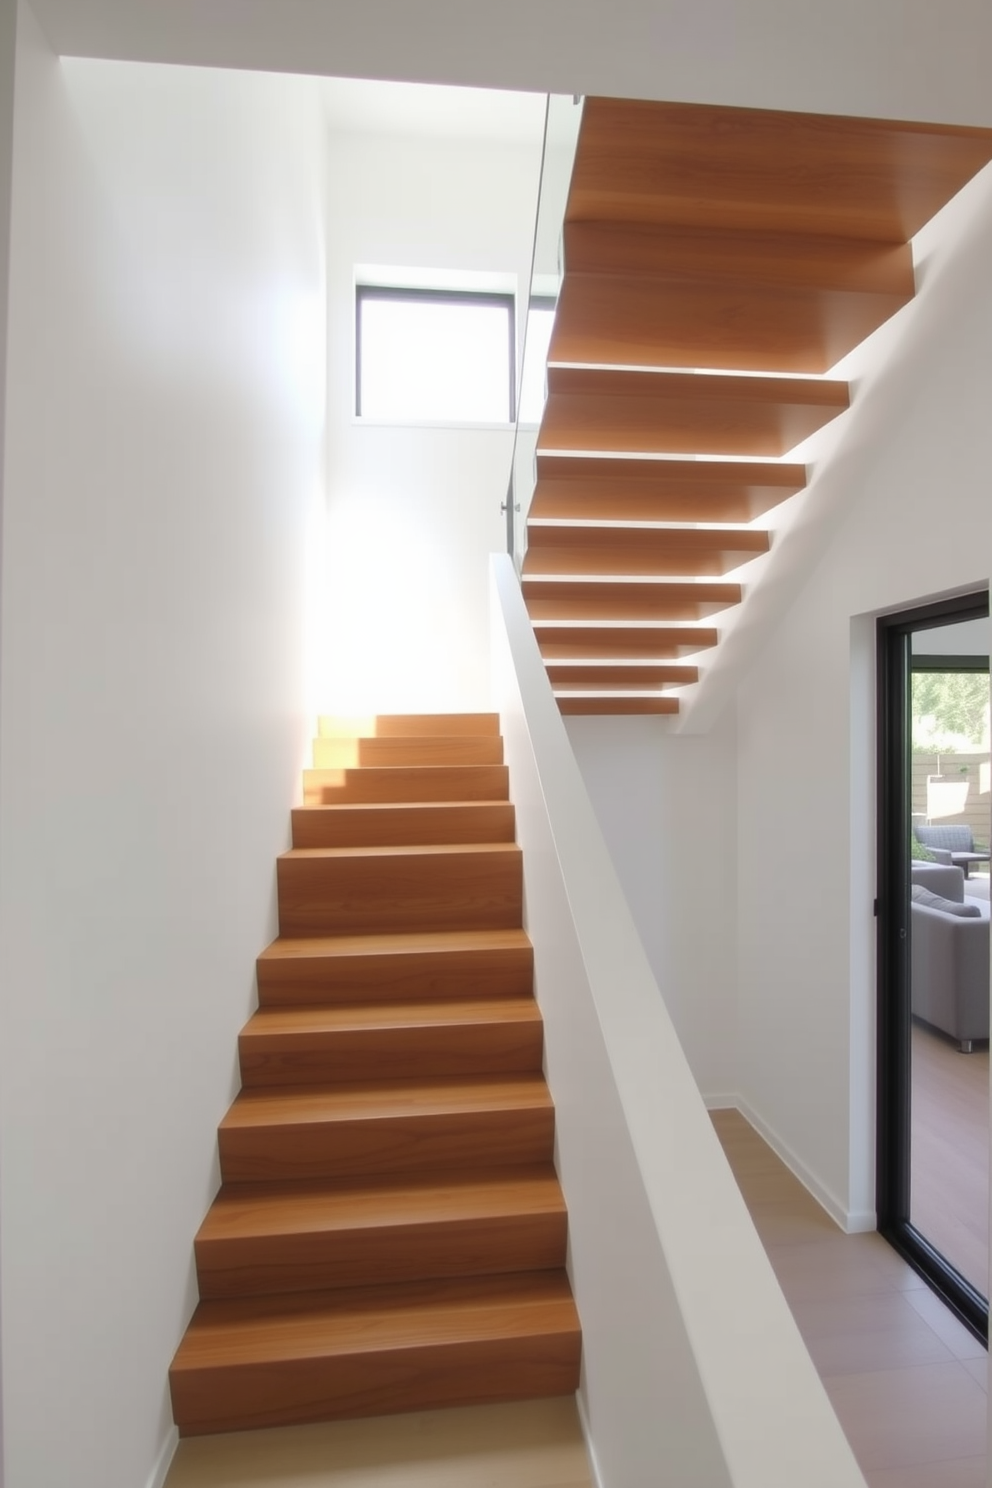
(913,59)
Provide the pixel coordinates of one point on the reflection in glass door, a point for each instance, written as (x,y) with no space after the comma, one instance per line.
(934,779)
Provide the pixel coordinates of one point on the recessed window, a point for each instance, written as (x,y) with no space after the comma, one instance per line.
(434,356)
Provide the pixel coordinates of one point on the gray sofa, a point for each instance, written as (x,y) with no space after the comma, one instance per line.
(949,954)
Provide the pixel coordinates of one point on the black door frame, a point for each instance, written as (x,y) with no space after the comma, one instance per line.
(894,1093)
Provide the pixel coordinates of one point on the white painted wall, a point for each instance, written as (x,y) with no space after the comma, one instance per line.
(414,512)
(164,459)
(909,489)
(667,807)
(906,59)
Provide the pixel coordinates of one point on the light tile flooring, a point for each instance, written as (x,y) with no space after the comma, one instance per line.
(537,1444)
(906,1379)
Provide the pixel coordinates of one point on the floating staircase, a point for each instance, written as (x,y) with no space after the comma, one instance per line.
(390,1234)
(718,263)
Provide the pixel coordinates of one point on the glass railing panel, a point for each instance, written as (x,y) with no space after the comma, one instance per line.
(561,131)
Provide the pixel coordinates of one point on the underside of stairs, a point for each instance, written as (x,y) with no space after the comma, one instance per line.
(718,262)
(390,1232)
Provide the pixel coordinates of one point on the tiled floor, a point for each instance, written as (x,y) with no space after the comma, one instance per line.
(906,1379)
(537,1444)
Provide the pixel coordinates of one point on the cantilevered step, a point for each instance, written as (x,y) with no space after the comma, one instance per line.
(604,675)
(661,552)
(576,599)
(684,413)
(263,1238)
(382,1040)
(273,1361)
(584,488)
(397,889)
(615,706)
(403,1126)
(317,970)
(335,753)
(409,725)
(607,642)
(405,784)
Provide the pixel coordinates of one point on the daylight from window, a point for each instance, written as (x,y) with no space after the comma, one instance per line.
(434,360)
(533,382)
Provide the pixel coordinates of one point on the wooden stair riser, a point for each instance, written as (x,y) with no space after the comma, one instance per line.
(465,1043)
(348,754)
(360,970)
(363,1146)
(405,784)
(396,892)
(319,1239)
(403,825)
(594,707)
(526,1348)
(409,725)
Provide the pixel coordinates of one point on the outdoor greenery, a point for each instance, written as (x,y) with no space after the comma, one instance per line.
(951,711)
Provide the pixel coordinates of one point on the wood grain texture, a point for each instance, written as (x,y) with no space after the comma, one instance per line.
(407,1040)
(629,677)
(625,490)
(683,413)
(406,783)
(683,321)
(322,970)
(396,889)
(550,600)
(666,552)
(380,824)
(429,749)
(264,1238)
(402,1126)
(756,170)
(595,706)
(272,1361)
(611,642)
(408,725)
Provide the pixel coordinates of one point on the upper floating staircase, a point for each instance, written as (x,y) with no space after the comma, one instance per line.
(718,263)
(390,1234)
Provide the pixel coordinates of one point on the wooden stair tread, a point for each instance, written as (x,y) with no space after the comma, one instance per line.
(406,783)
(276,1209)
(661,490)
(385,1101)
(607,675)
(319,947)
(616,706)
(668,551)
(606,642)
(413,749)
(380,823)
(310,1022)
(415,1315)
(407,725)
(398,850)
(575,599)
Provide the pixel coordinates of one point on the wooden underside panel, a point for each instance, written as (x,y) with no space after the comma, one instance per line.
(577,600)
(591,643)
(626,490)
(593,706)
(665,551)
(630,677)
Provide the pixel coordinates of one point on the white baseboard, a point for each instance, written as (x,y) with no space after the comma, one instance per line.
(163,1461)
(597,1476)
(851,1221)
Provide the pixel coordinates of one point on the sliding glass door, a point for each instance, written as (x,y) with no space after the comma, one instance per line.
(933,907)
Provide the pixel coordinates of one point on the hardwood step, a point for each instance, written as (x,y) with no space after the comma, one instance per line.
(616,706)
(401,1126)
(475,886)
(628,677)
(262,1238)
(663,551)
(408,725)
(391,1041)
(695,320)
(573,599)
(378,824)
(347,754)
(684,413)
(628,490)
(406,783)
(417,967)
(611,642)
(276,1361)
(757,170)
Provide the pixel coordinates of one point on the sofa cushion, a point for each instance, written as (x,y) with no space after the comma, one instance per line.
(968,910)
